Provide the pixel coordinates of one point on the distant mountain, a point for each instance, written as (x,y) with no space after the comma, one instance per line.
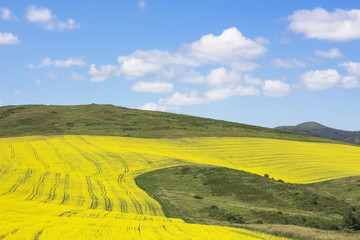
(316,129)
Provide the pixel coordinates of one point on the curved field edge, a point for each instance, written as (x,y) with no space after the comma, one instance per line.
(82,187)
(291,161)
(221,196)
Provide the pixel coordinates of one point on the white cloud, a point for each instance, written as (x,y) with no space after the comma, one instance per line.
(224,93)
(76,77)
(48,20)
(51,75)
(251,80)
(276,88)
(6,14)
(154,107)
(8,38)
(244,66)
(339,25)
(192,76)
(228,47)
(46,62)
(143,63)
(153,87)
(1,101)
(353,68)
(105,72)
(321,79)
(37,81)
(183,99)
(141,4)
(288,63)
(332,53)
(222,76)
(350,82)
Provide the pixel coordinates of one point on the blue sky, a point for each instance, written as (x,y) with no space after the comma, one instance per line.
(265,63)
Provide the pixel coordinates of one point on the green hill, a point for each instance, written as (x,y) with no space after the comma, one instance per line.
(119,121)
(318,130)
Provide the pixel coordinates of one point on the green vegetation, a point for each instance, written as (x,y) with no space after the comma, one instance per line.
(118,121)
(316,129)
(223,196)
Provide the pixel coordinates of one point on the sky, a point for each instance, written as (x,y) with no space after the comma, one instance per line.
(259,62)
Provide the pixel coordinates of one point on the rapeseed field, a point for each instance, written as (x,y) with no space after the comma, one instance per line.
(82,187)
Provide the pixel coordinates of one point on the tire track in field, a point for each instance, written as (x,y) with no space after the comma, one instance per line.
(91,190)
(94,198)
(108,205)
(9,233)
(20,182)
(13,156)
(36,187)
(72,167)
(121,180)
(52,193)
(66,181)
(37,157)
(4,168)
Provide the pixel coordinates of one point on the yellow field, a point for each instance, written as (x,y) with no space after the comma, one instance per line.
(82,187)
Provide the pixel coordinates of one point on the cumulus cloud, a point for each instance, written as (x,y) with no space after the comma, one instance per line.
(183,99)
(332,53)
(350,82)
(192,76)
(252,80)
(153,87)
(353,78)
(288,63)
(37,81)
(8,38)
(46,62)
(103,73)
(353,68)
(222,76)
(6,14)
(228,47)
(339,25)
(321,79)
(224,93)
(155,107)
(1,101)
(276,88)
(143,63)
(76,77)
(49,21)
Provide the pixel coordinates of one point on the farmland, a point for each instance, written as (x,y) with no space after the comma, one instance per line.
(82,186)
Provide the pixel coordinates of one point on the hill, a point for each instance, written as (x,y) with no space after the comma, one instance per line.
(318,130)
(109,120)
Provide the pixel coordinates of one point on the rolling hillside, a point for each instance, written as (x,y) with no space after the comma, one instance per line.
(108,120)
(318,130)
(75,178)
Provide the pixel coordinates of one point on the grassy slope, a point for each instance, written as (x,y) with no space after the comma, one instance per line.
(213,195)
(118,121)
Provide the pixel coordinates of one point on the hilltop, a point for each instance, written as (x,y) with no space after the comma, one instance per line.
(318,130)
(111,120)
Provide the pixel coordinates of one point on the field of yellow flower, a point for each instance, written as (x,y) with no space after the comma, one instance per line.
(82,187)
